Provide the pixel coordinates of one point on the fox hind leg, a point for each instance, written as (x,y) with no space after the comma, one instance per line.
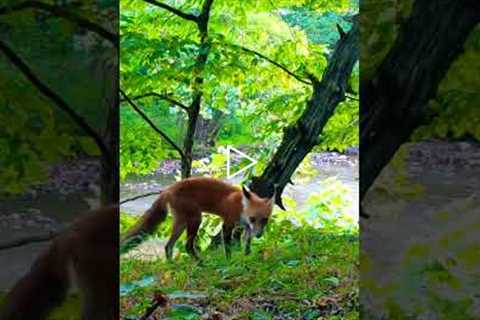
(177,230)
(192,229)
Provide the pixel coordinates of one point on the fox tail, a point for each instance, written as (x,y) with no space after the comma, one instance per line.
(153,217)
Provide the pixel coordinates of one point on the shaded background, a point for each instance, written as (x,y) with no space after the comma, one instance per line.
(58,133)
(419,160)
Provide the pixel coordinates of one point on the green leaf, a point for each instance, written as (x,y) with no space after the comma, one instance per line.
(334,281)
(182,311)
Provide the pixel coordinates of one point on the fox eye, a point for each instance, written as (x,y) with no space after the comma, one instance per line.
(264,220)
(252,219)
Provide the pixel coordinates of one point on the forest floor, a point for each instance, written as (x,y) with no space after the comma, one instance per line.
(292,273)
(295,271)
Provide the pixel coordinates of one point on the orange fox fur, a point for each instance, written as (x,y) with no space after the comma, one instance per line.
(188,198)
(85,254)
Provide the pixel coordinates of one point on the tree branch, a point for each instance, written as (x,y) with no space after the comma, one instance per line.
(258,54)
(154,127)
(198,80)
(59,12)
(160,96)
(61,104)
(181,14)
(205,15)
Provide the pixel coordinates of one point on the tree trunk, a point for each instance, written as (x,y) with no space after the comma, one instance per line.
(194,108)
(193,115)
(300,138)
(109,184)
(394,102)
(207,129)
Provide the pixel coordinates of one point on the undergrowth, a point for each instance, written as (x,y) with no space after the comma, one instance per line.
(294,272)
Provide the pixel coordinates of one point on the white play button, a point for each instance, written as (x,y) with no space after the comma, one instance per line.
(231,151)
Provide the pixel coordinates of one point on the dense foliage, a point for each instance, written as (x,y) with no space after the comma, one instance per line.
(37,132)
(250,98)
(255,83)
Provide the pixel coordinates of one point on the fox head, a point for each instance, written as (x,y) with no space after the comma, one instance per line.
(256,211)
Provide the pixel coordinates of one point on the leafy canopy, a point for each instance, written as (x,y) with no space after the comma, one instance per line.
(259,99)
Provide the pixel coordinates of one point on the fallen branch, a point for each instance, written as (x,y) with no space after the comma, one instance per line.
(10,244)
(140,196)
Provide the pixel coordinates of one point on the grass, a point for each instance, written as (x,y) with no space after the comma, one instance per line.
(294,272)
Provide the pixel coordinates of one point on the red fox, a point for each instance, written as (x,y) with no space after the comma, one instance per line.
(85,255)
(187,200)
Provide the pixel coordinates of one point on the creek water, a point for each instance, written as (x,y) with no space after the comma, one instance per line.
(328,165)
(59,209)
(423,228)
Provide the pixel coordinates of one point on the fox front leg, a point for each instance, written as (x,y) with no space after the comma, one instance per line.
(248,241)
(227,239)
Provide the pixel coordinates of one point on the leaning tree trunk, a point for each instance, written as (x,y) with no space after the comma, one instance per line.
(394,101)
(300,138)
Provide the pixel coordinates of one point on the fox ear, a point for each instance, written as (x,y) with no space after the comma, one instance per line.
(245,196)
(246,192)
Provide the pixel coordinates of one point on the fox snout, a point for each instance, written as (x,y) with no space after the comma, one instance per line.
(253,229)
(256,230)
